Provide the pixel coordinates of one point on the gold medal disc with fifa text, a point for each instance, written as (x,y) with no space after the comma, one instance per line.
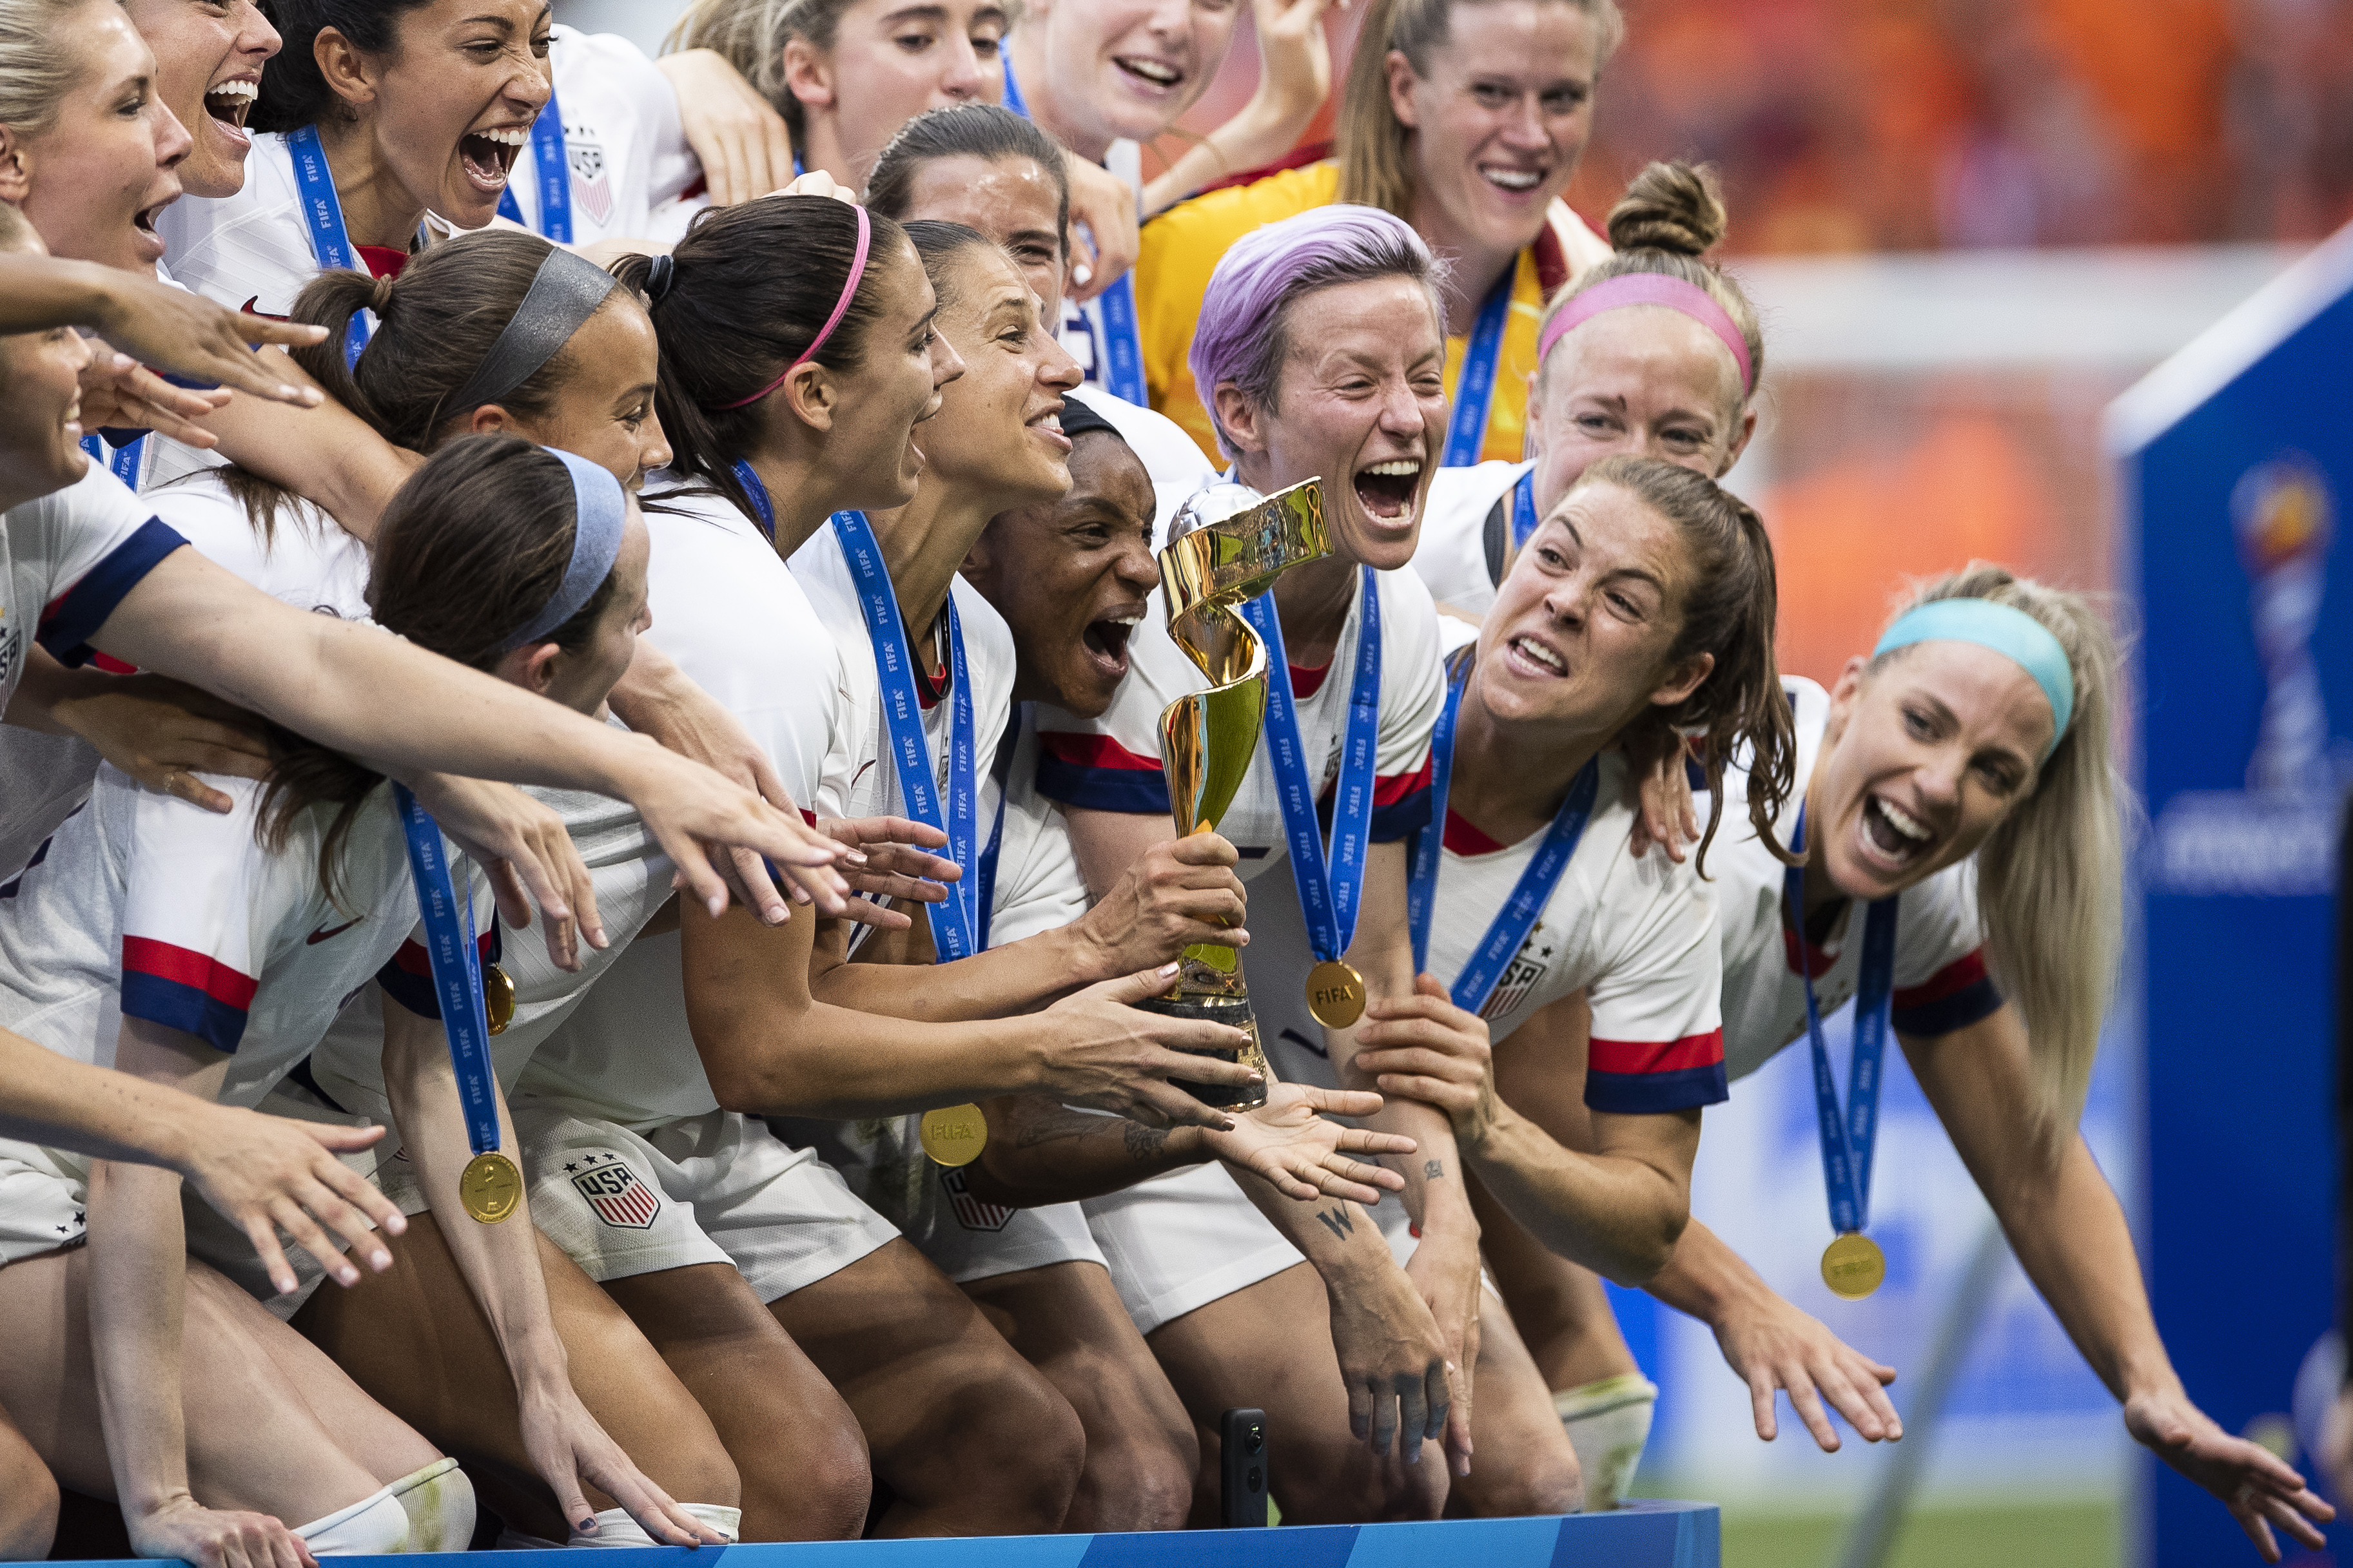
(491,1188)
(498,998)
(954,1135)
(1854,1266)
(1335,994)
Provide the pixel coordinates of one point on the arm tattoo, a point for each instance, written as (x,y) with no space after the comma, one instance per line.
(1433,1169)
(1144,1144)
(1339,1222)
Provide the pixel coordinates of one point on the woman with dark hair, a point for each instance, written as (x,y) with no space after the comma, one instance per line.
(1466,118)
(212,940)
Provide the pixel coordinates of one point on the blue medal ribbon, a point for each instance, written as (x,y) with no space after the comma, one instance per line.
(1330,890)
(1524,510)
(1848,1138)
(124,462)
(955,931)
(323,213)
(746,475)
(1530,894)
(552,166)
(1474,388)
(456,971)
(1013,100)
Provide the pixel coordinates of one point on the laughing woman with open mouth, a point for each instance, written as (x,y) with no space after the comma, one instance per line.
(383,125)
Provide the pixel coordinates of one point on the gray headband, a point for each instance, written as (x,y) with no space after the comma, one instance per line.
(564,292)
(599,510)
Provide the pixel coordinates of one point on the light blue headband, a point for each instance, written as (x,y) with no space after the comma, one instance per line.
(2011,633)
(599,510)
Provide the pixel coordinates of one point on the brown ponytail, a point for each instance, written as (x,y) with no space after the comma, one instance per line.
(1740,709)
(470,548)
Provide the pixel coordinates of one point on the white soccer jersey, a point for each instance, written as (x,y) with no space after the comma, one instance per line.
(1113,764)
(147,906)
(625,147)
(252,251)
(306,560)
(860,780)
(1038,886)
(726,608)
(1466,533)
(1637,936)
(1941,982)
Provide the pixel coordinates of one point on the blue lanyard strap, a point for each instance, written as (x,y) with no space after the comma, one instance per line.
(1013,100)
(456,971)
(1123,356)
(1847,1139)
(955,931)
(1524,510)
(1330,890)
(749,477)
(553,168)
(1474,388)
(1003,773)
(1530,894)
(124,462)
(323,214)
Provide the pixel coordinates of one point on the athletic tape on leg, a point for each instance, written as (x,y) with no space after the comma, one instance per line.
(439,1502)
(369,1528)
(1608,1424)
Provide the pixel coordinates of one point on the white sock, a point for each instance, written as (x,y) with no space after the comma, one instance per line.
(373,1526)
(439,1502)
(1608,1424)
(615,1528)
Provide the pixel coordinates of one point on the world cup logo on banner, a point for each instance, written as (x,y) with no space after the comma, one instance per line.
(2280,512)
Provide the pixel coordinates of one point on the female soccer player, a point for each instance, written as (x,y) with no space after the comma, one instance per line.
(212,940)
(990,170)
(1465,118)
(1327,355)
(1654,353)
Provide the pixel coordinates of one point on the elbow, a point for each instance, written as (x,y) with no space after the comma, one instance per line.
(1650,1247)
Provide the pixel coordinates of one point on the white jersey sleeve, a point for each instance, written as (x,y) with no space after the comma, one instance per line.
(67,560)
(301,557)
(1466,534)
(249,251)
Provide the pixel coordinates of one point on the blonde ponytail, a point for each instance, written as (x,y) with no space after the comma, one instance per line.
(2050,877)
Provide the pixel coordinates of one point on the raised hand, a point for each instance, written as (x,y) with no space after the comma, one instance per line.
(744,144)
(184,332)
(1772,1346)
(1289,1141)
(898,864)
(528,854)
(1105,205)
(2254,1483)
(118,391)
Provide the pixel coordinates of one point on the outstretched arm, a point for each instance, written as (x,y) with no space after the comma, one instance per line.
(501,1265)
(2069,1233)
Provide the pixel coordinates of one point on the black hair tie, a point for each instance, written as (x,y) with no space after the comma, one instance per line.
(659,277)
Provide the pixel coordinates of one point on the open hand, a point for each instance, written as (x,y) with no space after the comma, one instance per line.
(164,734)
(268,1173)
(1289,1141)
(899,864)
(118,391)
(568,1446)
(744,144)
(527,853)
(2258,1487)
(1773,1345)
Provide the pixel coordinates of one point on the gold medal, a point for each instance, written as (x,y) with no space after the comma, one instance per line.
(497,1000)
(492,1187)
(1854,1266)
(955,1134)
(1335,994)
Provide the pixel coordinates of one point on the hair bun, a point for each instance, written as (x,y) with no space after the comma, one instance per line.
(380,296)
(1673,207)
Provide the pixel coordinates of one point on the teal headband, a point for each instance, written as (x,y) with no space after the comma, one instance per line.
(2011,633)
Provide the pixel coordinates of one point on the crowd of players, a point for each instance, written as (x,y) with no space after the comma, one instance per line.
(757,454)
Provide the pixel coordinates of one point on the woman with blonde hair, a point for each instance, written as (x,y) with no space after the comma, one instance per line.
(1466,118)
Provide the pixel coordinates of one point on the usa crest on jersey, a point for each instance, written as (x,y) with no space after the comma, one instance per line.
(971,1211)
(590,188)
(614,1191)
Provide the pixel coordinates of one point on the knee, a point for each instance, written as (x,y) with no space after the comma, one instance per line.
(1030,1444)
(1141,1480)
(816,1489)
(1339,1482)
(1528,1483)
(28,1510)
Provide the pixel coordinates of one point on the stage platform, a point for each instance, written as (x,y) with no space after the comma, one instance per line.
(1641,1535)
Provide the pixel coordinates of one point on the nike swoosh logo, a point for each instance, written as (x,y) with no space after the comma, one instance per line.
(323,934)
(248,309)
(862,771)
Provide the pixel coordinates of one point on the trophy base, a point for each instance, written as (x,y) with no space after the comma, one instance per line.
(1234,1012)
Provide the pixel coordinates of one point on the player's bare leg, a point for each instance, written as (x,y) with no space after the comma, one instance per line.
(28,1499)
(1141,1454)
(970,1439)
(797,1444)
(1522,1462)
(1262,1347)
(417,1340)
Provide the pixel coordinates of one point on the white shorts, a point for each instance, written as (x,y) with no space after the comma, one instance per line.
(965,1239)
(1178,1242)
(42,1199)
(714,1188)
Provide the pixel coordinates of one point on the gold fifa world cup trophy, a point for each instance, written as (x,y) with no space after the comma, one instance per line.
(1227,546)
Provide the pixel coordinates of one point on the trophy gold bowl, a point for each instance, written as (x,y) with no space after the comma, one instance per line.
(1227,546)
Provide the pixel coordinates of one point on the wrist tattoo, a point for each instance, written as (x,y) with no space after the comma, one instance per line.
(1144,1144)
(1339,1222)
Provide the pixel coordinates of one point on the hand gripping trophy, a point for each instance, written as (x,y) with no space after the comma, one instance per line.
(1227,546)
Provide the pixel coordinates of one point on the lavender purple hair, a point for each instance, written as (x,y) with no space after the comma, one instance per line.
(1241,337)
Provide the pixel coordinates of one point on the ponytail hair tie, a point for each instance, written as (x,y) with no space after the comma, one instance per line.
(659,275)
(380,296)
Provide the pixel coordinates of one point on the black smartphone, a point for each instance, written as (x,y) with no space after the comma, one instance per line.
(1241,1500)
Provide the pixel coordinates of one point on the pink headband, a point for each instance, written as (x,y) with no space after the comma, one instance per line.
(1649,289)
(841,308)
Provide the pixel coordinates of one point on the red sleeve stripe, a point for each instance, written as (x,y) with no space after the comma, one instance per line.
(1955,977)
(162,961)
(1638,1057)
(1389,789)
(1817,962)
(1093,752)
